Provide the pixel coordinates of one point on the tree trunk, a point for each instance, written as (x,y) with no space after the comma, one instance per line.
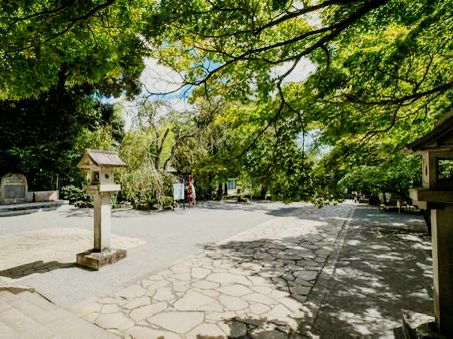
(219,192)
(263,192)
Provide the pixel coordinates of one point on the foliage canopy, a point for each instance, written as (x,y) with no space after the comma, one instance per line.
(381,75)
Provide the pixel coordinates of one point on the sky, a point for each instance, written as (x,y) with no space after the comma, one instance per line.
(157,78)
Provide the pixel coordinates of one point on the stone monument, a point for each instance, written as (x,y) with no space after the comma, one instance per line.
(13,189)
(436,195)
(99,166)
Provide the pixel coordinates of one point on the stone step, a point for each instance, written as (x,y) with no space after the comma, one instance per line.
(14,213)
(29,315)
(16,323)
(27,208)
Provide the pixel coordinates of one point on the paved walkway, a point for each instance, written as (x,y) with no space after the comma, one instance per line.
(46,250)
(384,266)
(39,249)
(340,271)
(256,283)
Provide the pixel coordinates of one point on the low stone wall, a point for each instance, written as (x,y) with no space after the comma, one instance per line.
(29,197)
(42,196)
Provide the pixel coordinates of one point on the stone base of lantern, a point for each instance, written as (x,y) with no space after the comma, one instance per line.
(419,326)
(95,260)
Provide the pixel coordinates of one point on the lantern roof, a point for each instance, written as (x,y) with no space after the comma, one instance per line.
(101,159)
(440,137)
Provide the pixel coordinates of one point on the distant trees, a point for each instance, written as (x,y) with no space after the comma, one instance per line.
(45,137)
(149,149)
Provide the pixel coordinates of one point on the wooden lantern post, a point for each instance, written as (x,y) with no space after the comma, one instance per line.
(436,195)
(100,166)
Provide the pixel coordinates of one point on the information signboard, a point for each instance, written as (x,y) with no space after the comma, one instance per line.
(178,191)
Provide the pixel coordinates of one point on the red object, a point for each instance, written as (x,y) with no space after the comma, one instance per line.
(189,190)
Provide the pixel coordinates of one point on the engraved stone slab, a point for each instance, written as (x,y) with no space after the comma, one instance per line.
(13,189)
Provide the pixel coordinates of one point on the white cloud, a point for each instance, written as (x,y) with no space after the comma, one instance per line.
(301,72)
(157,78)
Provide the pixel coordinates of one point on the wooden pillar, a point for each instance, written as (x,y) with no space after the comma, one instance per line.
(442,239)
(102,221)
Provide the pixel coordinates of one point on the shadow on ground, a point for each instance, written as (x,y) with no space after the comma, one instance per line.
(383,266)
(34,267)
(203,205)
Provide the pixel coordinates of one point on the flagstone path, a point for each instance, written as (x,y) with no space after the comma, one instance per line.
(259,281)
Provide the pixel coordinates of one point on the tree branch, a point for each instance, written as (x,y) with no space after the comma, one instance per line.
(302,11)
(401,100)
(72,22)
(334,29)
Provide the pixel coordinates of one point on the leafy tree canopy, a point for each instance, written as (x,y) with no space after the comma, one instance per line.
(378,61)
(383,72)
(45,137)
(88,42)
(58,59)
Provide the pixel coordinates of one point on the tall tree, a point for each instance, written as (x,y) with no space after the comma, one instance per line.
(166,128)
(42,137)
(57,60)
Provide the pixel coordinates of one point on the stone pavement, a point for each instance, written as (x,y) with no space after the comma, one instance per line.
(260,282)
(305,272)
(383,266)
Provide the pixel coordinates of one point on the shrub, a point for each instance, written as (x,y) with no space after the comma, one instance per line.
(76,196)
(83,204)
(151,200)
(166,201)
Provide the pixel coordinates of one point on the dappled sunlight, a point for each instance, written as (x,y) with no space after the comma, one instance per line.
(397,224)
(409,237)
(389,256)
(375,321)
(422,293)
(426,269)
(381,269)
(422,246)
(353,242)
(287,255)
(256,283)
(380,247)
